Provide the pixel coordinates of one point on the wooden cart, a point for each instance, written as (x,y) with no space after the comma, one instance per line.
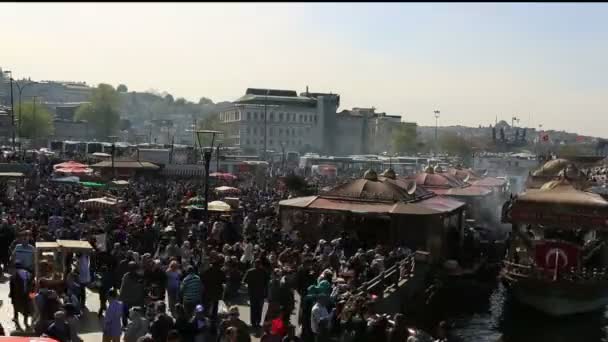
(54,255)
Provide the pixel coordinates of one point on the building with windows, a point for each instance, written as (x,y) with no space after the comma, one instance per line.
(308,122)
(286,120)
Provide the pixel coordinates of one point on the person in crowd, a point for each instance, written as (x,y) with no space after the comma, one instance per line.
(162,324)
(59,328)
(267,335)
(233,321)
(191,289)
(182,322)
(398,332)
(132,290)
(20,286)
(199,325)
(291,335)
(213,283)
(319,318)
(173,336)
(173,284)
(112,321)
(257,280)
(138,325)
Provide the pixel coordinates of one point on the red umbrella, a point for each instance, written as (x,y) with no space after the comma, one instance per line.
(223,176)
(70,164)
(73,170)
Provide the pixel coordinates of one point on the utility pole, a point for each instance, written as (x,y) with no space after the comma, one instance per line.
(217,162)
(436,113)
(12,109)
(20,88)
(265,124)
(207,160)
(113,153)
(33,120)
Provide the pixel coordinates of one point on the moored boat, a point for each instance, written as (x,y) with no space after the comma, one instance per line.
(558,257)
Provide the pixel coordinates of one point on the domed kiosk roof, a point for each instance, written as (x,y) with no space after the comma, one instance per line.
(372,187)
(379,195)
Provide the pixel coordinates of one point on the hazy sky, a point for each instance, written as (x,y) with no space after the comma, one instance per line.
(547,62)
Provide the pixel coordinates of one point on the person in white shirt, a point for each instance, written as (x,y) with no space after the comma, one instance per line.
(319,319)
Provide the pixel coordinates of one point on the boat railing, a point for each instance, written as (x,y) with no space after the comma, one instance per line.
(567,274)
(390,278)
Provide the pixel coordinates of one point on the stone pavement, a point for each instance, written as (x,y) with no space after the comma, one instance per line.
(90,329)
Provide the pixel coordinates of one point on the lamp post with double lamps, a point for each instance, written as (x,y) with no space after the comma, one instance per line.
(207,160)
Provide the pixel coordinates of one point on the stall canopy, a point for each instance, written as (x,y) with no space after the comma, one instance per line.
(377,195)
(227,189)
(69,179)
(92,184)
(100,202)
(223,176)
(558,203)
(219,206)
(70,165)
(11,175)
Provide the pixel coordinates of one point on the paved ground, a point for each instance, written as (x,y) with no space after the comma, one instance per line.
(90,329)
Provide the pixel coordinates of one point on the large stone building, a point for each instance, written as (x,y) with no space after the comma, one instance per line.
(294,122)
(363,131)
(308,122)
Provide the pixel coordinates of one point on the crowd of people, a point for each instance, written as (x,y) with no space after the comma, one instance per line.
(163,273)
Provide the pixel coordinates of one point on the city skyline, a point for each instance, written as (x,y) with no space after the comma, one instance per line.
(473,62)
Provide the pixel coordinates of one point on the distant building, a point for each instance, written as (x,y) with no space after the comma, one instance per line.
(71,130)
(307,122)
(6,125)
(363,131)
(161,131)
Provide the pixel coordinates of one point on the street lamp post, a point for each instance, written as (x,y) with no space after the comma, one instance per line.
(217,162)
(436,113)
(20,88)
(12,109)
(283,157)
(207,161)
(33,119)
(266,124)
(113,137)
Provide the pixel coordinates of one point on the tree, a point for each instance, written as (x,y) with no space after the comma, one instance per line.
(180,101)
(453,144)
(211,123)
(205,101)
(169,98)
(404,138)
(122,88)
(102,111)
(36,120)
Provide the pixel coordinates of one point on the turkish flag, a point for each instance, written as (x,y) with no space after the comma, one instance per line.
(557,254)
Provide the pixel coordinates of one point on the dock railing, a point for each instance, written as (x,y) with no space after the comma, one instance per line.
(390,279)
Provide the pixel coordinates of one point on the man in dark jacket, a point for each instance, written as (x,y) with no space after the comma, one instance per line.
(132,291)
(213,283)
(163,323)
(257,280)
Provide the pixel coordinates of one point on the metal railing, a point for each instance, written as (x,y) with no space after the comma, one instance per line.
(389,278)
(570,274)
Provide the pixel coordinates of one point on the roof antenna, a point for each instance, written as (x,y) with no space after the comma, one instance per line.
(307,91)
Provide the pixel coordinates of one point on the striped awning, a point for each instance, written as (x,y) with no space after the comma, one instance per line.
(183,171)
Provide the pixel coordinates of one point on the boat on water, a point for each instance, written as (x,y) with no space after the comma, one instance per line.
(558,256)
